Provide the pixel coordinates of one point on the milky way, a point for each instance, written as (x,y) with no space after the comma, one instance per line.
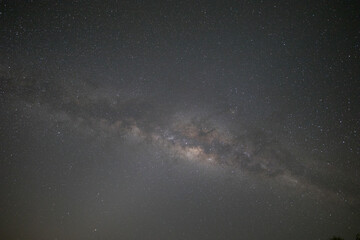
(193,135)
(179,120)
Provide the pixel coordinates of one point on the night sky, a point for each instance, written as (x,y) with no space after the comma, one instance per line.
(179,119)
